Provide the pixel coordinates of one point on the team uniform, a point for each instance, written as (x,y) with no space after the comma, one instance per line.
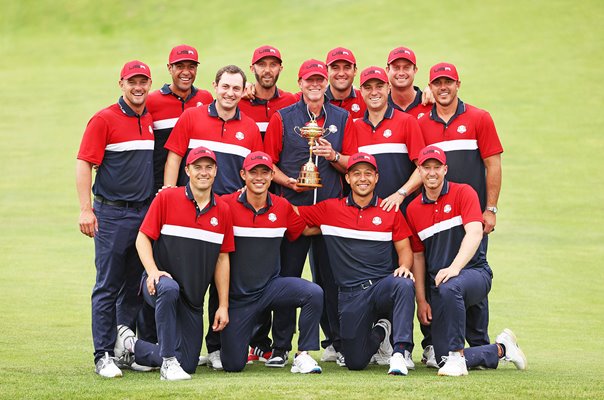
(395,142)
(187,243)
(231,140)
(120,142)
(166,107)
(438,230)
(256,286)
(261,110)
(289,151)
(416,108)
(354,103)
(359,241)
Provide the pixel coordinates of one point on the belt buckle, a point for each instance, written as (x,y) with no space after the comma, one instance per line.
(367,284)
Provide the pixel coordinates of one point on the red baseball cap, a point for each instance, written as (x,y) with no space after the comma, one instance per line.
(312,67)
(432,152)
(200,152)
(443,69)
(257,158)
(373,73)
(135,67)
(183,53)
(340,53)
(402,52)
(361,158)
(266,51)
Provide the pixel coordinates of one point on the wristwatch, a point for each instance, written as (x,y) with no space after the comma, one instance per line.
(336,158)
(492,209)
(402,192)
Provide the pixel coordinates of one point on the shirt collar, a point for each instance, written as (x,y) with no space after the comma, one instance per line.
(387,115)
(350,201)
(127,110)
(443,191)
(302,106)
(165,90)
(189,194)
(416,101)
(461,108)
(330,97)
(214,112)
(257,100)
(243,200)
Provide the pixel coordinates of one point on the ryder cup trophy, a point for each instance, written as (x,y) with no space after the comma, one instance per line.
(309,173)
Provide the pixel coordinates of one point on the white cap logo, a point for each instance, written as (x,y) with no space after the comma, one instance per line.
(407,52)
(190,52)
(214,221)
(239,136)
(447,68)
(376,221)
(387,133)
(272,50)
(272,217)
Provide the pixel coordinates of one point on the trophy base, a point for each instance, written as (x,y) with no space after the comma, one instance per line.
(309,179)
(313,185)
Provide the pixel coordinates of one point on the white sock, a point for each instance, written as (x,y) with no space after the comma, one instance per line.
(129,344)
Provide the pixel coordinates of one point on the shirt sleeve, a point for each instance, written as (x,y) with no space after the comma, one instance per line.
(154,219)
(349,142)
(400,229)
(415,139)
(469,205)
(487,137)
(273,138)
(228,242)
(295,224)
(416,244)
(178,141)
(313,215)
(94,141)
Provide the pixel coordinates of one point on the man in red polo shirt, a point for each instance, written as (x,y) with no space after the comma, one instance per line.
(184,243)
(342,68)
(267,98)
(168,103)
(446,221)
(404,96)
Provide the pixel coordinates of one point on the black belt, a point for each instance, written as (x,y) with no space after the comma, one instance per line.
(362,286)
(122,203)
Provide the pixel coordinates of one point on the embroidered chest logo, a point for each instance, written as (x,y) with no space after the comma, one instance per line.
(420,115)
(272,217)
(239,136)
(461,129)
(333,128)
(213,221)
(355,107)
(376,221)
(447,208)
(199,104)
(387,133)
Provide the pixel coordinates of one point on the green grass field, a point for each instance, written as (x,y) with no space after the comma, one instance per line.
(536,66)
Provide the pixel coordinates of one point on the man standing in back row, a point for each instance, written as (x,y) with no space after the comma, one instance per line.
(119,142)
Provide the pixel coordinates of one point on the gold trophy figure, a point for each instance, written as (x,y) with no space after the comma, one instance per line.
(309,173)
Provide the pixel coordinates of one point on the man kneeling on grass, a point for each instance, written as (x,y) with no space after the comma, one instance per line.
(359,236)
(446,221)
(260,222)
(183,242)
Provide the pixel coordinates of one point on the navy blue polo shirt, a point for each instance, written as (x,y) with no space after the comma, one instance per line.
(120,142)
(438,226)
(258,236)
(358,239)
(188,240)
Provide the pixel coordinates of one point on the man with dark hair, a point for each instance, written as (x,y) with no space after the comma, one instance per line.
(221,127)
(118,142)
(342,69)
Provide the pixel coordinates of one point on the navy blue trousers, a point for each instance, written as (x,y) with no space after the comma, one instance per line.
(359,311)
(115,298)
(280,294)
(179,328)
(293,257)
(450,302)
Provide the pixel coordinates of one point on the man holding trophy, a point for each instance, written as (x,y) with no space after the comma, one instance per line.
(309,143)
